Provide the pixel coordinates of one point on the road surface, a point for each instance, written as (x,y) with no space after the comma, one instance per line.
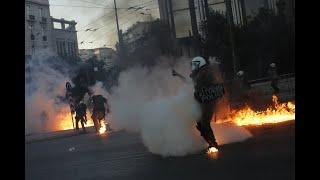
(269,155)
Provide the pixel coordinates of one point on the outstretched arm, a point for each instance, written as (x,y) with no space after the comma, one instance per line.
(174,73)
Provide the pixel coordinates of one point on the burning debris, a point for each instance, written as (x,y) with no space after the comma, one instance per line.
(213,152)
(65,122)
(103,127)
(278,112)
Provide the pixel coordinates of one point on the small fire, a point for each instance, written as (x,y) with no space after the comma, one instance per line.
(213,152)
(278,112)
(103,127)
(65,121)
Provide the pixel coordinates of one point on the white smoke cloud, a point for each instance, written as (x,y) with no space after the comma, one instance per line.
(45,81)
(162,109)
(149,101)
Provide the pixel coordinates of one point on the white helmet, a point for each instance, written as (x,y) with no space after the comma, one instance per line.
(197,62)
(273,65)
(240,73)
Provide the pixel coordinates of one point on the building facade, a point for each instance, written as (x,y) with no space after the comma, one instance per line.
(177,14)
(86,54)
(104,54)
(64,36)
(42,34)
(37,26)
(135,35)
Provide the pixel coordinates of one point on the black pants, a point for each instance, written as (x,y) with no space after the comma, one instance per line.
(81,119)
(97,116)
(204,124)
(274,85)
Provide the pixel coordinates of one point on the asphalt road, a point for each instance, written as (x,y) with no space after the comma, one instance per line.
(269,155)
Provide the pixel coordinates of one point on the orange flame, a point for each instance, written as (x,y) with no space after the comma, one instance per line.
(213,152)
(65,120)
(102,128)
(278,112)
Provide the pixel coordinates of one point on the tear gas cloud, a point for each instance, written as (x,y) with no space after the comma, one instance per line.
(45,78)
(162,109)
(149,101)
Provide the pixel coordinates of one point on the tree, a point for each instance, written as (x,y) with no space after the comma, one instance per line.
(266,38)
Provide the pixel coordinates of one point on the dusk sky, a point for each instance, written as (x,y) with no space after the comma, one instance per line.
(99,14)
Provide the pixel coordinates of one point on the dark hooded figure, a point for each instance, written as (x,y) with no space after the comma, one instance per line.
(81,115)
(99,109)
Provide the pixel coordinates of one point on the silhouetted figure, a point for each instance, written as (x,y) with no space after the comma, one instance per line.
(273,76)
(98,112)
(81,115)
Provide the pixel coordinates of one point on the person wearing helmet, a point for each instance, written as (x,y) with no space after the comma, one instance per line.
(206,91)
(273,75)
(81,115)
(244,79)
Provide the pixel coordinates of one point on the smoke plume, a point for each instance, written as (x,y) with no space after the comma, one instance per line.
(45,78)
(162,109)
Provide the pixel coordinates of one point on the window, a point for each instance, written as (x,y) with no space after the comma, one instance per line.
(44,20)
(31,27)
(69,50)
(44,38)
(32,37)
(31,17)
(28,11)
(40,12)
(58,47)
(66,26)
(43,31)
(57,25)
(64,48)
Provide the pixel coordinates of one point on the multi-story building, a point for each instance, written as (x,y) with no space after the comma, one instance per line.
(133,37)
(37,26)
(104,54)
(64,36)
(178,14)
(43,32)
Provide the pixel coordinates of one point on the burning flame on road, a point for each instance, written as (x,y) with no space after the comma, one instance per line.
(278,112)
(213,152)
(103,127)
(65,122)
(64,119)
